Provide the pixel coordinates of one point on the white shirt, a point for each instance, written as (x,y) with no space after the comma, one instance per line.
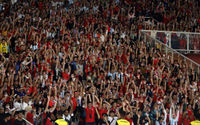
(34,47)
(95,8)
(13,1)
(112,120)
(131,16)
(60,54)
(173,121)
(71,1)
(111,74)
(80,68)
(123,35)
(102,38)
(24,105)
(67,118)
(18,106)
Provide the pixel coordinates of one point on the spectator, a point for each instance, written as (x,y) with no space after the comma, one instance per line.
(122,120)
(112,118)
(60,120)
(173,117)
(19,118)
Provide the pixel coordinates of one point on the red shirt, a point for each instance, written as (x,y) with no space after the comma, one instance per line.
(40,5)
(124,59)
(65,76)
(48,121)
(74,103)
(180,119)
(102,111)
(31,90)
(29,117)
(51,103)
(155,61)
(130,120)
(187,121)
(66,46)
(90,115)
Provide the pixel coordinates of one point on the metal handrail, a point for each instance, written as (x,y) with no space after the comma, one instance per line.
(27,121)
(171,31)
(187,50)
(171,49)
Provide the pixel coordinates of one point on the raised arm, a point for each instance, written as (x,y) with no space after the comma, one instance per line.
(170,114)
(46,109)
(86,101)
(56,100)
(177,117)
(165,113)
(93,101)
(149,121)
(138,119)
(97,113)
(118,114)
(96,98)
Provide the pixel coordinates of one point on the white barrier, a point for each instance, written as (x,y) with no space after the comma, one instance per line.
(181,41)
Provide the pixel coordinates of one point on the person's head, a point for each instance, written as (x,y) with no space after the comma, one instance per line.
(59,115)
(148,108)
(4,41)
(122,113)
(128,115)
(7,117)
(189,107)
(160,119)
(104,105)
(66,112)
(76,93)
(19,115)
(89,104)
(174,116)
(155,106)
(67,93)
(1,110)
(66,70)
(144,120)
(17,98)
(105,116)
(112,113)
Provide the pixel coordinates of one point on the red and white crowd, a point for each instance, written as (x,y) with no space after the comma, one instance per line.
(82,61)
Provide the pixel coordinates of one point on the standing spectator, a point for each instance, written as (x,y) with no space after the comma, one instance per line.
(112,118)
(122,120)
(90,111)
(19,118)
(173,117)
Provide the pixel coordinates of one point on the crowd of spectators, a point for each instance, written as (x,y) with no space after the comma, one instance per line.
(81,61)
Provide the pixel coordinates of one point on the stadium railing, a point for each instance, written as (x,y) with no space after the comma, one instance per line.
(151,41)
(185,42)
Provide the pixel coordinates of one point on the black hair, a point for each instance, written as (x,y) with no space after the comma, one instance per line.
(122,113)
(104,114)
